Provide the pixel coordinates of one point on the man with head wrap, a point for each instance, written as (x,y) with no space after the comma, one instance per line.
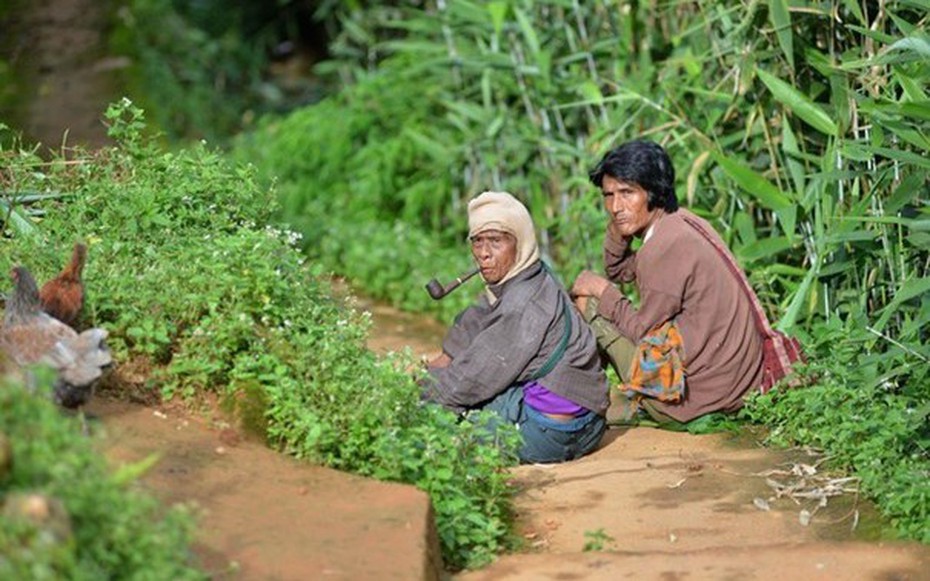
(522,351)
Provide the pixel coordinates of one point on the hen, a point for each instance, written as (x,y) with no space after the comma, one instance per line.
(63,296)
(31,336)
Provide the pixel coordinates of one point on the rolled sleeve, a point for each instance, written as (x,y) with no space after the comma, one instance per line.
(656,307)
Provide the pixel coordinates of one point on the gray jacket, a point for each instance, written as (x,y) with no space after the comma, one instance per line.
(495,346)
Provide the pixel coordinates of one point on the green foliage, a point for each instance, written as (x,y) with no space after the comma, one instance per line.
(185,273)
(66,516)
(208,71)
(597,540)
(873,420)
(379,176)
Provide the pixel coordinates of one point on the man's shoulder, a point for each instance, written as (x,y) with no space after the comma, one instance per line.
(539,291)
(673,230)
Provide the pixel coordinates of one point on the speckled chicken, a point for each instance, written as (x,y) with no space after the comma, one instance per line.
(63,296)
(30,336)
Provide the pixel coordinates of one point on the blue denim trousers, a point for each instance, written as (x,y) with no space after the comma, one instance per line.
(545,439)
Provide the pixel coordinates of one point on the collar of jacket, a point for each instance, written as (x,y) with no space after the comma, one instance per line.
(496,291)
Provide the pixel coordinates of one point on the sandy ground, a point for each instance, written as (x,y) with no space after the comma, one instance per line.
(662,505)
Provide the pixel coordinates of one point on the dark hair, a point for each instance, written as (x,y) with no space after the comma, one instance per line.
(643,163)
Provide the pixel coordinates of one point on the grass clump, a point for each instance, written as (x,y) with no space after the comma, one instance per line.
(66,515)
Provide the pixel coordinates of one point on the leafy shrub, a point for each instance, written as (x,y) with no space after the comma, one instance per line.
(367,160)
(869,414)
(104,529)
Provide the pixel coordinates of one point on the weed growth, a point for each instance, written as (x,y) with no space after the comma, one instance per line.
(66,515)
(597,540)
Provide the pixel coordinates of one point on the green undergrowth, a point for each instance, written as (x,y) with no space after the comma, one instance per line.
(360,182)
(864,419)
(188,276)
(66,515)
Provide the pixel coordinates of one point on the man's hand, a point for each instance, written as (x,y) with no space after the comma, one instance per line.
(441,360)
(589,284)
(615,233)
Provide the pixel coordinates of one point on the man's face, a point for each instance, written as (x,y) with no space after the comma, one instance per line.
(627,205)
(495,252)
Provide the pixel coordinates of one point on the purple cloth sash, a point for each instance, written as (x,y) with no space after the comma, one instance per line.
(542,400)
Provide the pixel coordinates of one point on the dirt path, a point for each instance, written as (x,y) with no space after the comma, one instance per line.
(665,505)
(655,505)
(63,76)
(263,515)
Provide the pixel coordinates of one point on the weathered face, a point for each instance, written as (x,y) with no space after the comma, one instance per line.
(495,252)
(627,205)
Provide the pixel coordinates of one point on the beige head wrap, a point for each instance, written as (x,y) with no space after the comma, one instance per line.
(501,211)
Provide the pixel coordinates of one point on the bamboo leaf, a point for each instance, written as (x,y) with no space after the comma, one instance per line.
(765,248)
(498,12)
(754,184)
(840,266)
(693,175)
(920,240)
(913,44)
(798,103)
(781,20)
(911,288)
(795,169)
(790,317)
(913,88)
(909,188)
(853,236)
(903,156)
(529,33)
(853,6)
(744,225)
(788,218)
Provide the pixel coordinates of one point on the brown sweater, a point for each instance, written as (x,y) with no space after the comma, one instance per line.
(681,276)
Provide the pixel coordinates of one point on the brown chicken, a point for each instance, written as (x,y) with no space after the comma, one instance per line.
(63,296)
(30,336)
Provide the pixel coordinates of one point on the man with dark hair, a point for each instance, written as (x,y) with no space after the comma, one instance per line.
(690,347)
(644,163)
